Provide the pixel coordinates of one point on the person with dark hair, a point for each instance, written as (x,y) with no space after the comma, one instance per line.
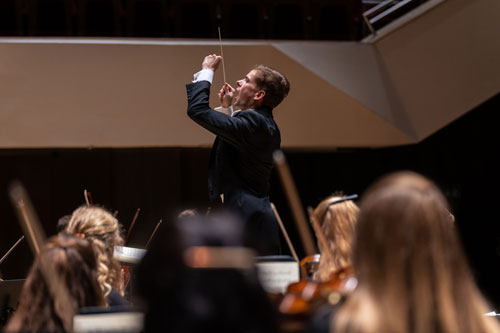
(63,222)
(196,277)
(67,263)
(412,273)
(241,158)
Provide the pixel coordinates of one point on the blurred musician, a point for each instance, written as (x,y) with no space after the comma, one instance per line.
(336,217)
(197,277)
(62,223)
(72,262)
(412,273)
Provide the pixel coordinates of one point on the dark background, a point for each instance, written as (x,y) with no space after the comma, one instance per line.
(254,19)
(460,158)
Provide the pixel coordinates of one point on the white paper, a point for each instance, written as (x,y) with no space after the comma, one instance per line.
(276,276)
(125,322)
(128,254)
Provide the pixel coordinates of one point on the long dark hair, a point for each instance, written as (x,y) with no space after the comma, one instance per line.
(183,299)
(72,261)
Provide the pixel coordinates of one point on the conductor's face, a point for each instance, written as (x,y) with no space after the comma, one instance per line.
(249,95)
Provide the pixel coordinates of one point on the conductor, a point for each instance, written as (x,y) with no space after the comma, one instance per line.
(247,135)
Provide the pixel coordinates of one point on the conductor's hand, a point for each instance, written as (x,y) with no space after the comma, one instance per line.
(226,95)
(211,62)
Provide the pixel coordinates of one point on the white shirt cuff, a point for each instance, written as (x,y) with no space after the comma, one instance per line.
(229,111)
(204,75)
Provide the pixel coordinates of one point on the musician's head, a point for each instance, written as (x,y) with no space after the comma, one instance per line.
(412,273)
(262,86)
(67,263)
(103,231)
(337,221)
(192,279)
(62,223)
(404,225)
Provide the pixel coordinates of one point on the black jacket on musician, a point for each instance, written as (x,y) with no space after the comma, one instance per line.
(241,163)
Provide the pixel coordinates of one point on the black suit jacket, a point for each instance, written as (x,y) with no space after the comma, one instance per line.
(241,157)
(240,164)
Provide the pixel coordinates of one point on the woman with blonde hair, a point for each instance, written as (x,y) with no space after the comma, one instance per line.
(412,273)
(62,280)
(336,218)
(102,230)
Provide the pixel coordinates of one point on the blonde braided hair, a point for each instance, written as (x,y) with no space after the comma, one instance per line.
(102,230)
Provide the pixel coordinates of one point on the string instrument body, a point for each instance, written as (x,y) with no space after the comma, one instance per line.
(304,297)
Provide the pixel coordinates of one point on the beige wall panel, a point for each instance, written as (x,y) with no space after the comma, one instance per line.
(126,93)
(445,62)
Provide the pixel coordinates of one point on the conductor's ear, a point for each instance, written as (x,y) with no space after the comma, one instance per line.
(259,95)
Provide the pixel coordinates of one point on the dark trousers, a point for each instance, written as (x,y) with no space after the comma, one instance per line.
(261,227)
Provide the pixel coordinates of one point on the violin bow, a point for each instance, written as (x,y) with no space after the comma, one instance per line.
(154,232)
(11,249)
(320,236)
(128,235)
(36,238)
(283,230)
(132,224)
(294,201)
(27,217)
(88,197)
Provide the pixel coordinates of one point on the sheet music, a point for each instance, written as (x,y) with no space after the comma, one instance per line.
(276,276)
(128,254)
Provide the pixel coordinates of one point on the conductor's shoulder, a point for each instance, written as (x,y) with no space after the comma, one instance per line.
(246,113)
(197,85)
